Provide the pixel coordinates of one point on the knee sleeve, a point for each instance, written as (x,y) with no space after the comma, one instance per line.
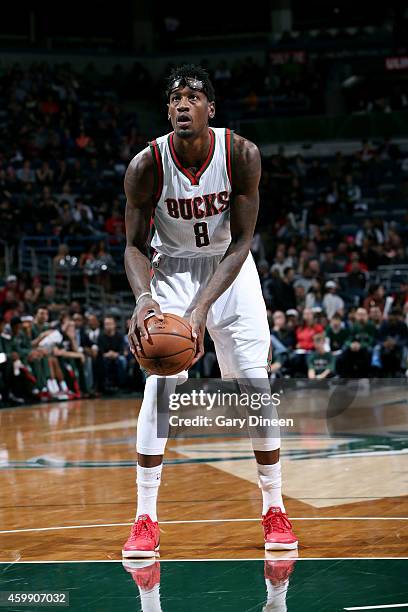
(147,440)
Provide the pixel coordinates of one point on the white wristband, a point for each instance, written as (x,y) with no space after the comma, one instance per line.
(142,295)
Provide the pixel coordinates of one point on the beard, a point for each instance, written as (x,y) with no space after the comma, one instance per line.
(184,132)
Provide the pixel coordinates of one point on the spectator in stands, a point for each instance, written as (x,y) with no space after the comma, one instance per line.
(300,295)
(93,328)
(333,195)
(10,290)
(26,174)
(329,264)
(87,347)
(356,280)
(283,292)
(375,316)
(85,143)
(45,174)
(281,261)
(332,303)
(304,341)
(311,271)
(38,358)
(393,339)
(61,258)
(337,334)
(9,388)
(115,225)
(75,307)
(369,232)
(355,259)
(112,362)
(40,321)
(355,361)
(82,212)
(283,338)
(105,264)
(366,153)
(314,296)
(320,362)
(29,301)
(351,194)
(292,319)
(376,297)
(20,349)
(71,359)
(401,296)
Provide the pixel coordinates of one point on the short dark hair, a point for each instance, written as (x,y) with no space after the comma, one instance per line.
(41,307)
(191,71)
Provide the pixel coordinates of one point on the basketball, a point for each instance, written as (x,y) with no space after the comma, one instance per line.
(170,348)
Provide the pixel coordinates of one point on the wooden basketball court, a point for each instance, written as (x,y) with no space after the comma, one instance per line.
(67,500)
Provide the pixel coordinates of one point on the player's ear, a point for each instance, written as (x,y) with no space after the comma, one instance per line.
(168,112)
(211,110)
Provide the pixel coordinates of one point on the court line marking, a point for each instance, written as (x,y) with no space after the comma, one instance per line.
(226,520)
(404,605)
(160,560)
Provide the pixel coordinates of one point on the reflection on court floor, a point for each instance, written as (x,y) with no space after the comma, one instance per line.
(271,585)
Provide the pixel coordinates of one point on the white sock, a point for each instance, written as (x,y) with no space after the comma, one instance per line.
(52,385)
(150,600)
(276,601)
(148,482)
(17,365)
(270,482)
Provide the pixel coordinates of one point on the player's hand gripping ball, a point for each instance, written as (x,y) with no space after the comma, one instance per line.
(170,348)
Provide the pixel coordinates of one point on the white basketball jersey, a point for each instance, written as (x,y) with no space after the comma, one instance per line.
(191,217)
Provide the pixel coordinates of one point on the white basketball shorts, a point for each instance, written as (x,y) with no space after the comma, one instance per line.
(237,320)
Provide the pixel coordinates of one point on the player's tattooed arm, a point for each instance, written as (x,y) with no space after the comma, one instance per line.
(139,188)
(243,214)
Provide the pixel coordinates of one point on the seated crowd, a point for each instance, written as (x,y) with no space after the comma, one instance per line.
(362,344)
(54,350)
(73,356)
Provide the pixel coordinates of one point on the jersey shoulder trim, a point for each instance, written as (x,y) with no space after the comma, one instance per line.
(193,178)
(157,170)
(229,152)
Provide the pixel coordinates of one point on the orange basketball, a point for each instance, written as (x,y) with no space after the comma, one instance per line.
(170,348)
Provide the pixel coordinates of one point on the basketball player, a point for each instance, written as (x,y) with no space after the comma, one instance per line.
(201,186)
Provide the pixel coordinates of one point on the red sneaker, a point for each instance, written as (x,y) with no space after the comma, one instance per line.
(278,532)
(144,539)
(278,572)
(146,574)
